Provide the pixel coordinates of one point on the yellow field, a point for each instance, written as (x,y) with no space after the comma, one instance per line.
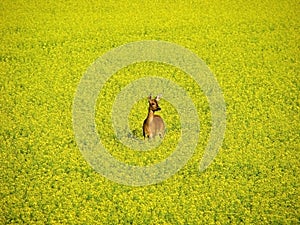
(252,48)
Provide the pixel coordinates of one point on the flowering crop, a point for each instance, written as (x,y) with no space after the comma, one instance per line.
(251,47)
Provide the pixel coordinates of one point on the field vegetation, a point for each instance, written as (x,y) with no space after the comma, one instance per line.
(252,47)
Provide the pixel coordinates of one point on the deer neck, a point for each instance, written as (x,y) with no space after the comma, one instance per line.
(150,116)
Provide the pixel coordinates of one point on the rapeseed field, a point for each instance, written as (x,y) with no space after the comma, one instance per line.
(251,48)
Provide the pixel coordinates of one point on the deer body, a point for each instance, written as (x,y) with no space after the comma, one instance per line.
(153,124)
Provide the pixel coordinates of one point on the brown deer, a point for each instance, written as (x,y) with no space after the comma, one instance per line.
(153,124)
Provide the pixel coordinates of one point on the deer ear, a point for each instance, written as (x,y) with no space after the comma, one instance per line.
(150,97)
(158,97)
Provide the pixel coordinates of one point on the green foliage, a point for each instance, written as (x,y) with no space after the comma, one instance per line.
(251,47)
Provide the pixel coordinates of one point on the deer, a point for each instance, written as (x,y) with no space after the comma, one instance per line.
(153,125)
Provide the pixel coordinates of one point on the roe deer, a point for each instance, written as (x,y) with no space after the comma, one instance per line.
(153,124)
